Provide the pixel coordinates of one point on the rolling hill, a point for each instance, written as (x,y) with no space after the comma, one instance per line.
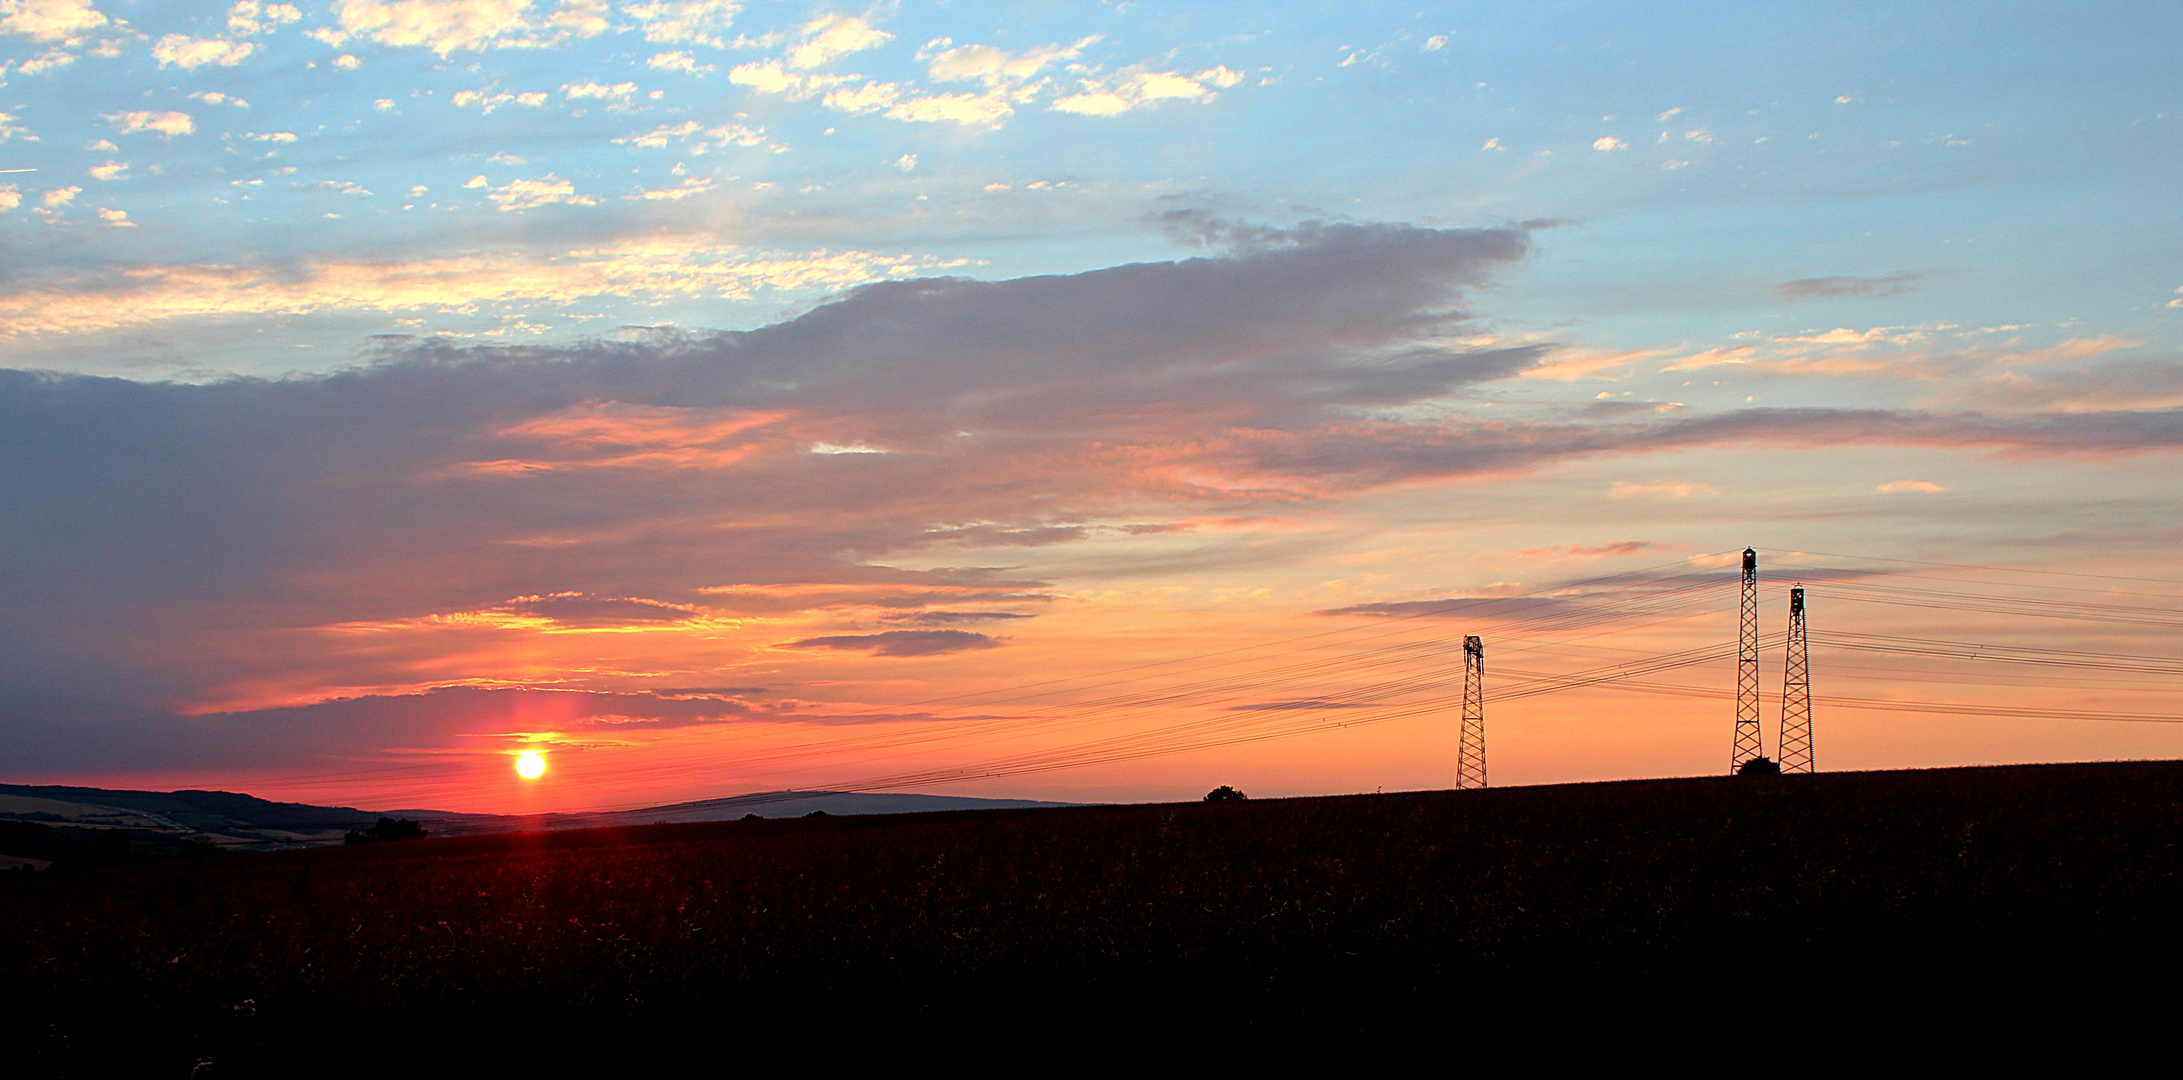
(1982,906)
(45,823)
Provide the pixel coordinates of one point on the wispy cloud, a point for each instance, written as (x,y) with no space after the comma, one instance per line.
(684,22)
(1008,79)
(489,100)
(1871,288)
(649,268)
(182,51)
(166,123)
(548,190)
(902,642)
(1135,89)
(1615,549)
(448,26)
(1666,489)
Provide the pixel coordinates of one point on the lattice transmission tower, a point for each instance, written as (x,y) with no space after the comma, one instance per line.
(1748,744)
(1795,744)
(1470,754)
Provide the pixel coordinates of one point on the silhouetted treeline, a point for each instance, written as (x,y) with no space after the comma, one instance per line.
(386,829)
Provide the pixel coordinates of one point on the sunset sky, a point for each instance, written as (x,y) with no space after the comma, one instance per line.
(1080,401)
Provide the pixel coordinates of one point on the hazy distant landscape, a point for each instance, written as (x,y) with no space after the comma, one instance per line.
(40,825)
(1297,923)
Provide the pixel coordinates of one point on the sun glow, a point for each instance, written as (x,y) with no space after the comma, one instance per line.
(531,765)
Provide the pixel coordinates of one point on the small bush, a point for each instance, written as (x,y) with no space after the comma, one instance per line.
(1759,766)
(1224,793)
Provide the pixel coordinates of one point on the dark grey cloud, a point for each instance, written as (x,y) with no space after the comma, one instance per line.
(957,618)
(1002,536)
(902,642)
(1871,288)
(1362,456)
(343,731)
(1466,607)
(951,586)
(342,734)
(725,693)
(152,529)
(2110,431)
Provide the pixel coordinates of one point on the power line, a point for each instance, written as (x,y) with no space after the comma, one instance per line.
(1384,670)
(1996,569)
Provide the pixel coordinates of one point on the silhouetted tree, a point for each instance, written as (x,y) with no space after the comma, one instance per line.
(387,829)
(1759,766)
(752,817)
(1224,793)
(818,813)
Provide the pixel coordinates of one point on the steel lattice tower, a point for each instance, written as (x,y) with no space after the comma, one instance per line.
(1748,743)
(1795,744)
(1470,755)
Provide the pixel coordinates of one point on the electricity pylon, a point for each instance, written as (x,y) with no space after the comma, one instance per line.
(1795,744)
(1470,755)
(1748,743)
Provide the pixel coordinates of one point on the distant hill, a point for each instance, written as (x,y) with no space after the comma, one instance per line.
(47,822)
(201,810)
(52,823)
(765,804)
(1951,911)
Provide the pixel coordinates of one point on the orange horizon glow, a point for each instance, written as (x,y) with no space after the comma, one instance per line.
(1120,667)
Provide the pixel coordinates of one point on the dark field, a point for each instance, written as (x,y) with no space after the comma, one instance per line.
(1242,928)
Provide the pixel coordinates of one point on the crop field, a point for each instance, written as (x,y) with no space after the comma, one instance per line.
(1085,932)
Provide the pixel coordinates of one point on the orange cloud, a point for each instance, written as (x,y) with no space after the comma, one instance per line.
(639,269)
(1595,551)
(618,435)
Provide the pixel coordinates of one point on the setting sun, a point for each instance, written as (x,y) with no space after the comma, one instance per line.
(531,765)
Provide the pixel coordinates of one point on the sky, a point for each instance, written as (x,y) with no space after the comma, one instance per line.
(1074,401)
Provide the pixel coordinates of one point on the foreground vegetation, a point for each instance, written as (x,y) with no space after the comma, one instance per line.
(1268,923)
